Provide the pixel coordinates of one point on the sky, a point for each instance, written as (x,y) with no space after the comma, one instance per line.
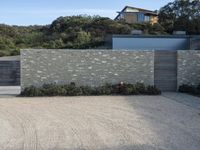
(42,12)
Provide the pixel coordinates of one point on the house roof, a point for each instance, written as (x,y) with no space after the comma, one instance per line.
(140,9)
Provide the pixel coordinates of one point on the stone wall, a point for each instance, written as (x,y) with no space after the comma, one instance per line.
(188,67)
(86,67)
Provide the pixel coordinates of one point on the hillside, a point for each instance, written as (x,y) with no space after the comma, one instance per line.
(66,32)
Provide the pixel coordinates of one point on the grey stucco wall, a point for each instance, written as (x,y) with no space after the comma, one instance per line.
(188,67)
(86,67)
(150,43)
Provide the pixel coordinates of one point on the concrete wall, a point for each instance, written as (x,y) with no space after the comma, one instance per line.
(150,43)
(188,67)
(86,67)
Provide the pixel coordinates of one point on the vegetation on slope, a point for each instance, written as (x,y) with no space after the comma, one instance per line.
(81,32)
(181,15)
(77,32)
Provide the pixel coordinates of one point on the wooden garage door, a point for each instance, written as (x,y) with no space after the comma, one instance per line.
(165,70)
(9,73)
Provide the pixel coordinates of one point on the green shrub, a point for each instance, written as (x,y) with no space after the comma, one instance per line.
(187,89)
(32,92)
(15,52)
(198,89)
(140,88)
(3,53)
(126,89)
(87,90)
(129,89)
(53,90)
(107,89)
(152,90)
(190,89)
(72,90)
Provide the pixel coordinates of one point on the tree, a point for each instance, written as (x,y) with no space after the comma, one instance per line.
(147,28)
(82,40)
(80,32)
(181,15)
(6,44)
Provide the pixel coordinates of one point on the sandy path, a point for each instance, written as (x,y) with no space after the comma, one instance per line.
(90,123)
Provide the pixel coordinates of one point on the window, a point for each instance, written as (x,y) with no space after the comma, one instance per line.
(147,18)
(141,17)
(121,16)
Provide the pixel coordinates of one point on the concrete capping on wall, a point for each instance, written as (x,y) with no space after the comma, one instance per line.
(188,67)
(85,67)
(10,58)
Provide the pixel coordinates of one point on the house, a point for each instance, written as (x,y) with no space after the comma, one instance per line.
(137,15)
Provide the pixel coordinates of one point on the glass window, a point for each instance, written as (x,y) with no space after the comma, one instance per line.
(121,16)
(140,17)
(147,18)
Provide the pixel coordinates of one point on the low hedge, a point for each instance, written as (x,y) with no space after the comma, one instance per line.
(190,89)
(107,89)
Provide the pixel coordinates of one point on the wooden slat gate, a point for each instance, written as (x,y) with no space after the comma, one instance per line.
(9,73)
(165,70)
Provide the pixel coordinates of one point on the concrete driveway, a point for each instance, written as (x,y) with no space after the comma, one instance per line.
(97,123)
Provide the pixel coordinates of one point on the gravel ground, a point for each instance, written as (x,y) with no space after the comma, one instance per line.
(97,123)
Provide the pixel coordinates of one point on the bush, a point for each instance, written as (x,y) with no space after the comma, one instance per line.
(4,53)
(53,90)
(129,89)
(32,92)
(87,90)
(153,90)
(187,88)
(106,89)
(140,87)
(191,89)
(15,52)
(198,89)
(73,90)
(125,89)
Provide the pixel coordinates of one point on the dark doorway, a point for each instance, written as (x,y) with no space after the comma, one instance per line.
(9,73)
(165,70)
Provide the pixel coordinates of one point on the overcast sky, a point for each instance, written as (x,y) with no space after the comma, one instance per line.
(41,12)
